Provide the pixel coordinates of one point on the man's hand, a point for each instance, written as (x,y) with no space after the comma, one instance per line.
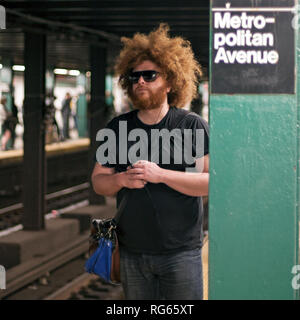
(126,179)
(146,171)
(107,182)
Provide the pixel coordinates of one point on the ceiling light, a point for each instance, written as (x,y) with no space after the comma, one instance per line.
(61,71)
(18,68)
(74,73)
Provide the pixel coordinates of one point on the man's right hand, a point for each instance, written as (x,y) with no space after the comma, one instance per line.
(126,180)
(107,182)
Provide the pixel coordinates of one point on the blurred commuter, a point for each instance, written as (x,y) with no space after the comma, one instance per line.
(160,230)
(53,133)
(66,112)
(2,117)
(9,124)
(74,109)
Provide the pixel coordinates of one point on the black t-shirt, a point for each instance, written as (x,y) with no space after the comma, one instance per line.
(157,219)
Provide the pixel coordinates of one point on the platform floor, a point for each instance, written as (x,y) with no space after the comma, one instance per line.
(51,149)
(205,269)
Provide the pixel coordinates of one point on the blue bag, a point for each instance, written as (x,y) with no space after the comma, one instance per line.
(105,259)
(104,246)
(100,261)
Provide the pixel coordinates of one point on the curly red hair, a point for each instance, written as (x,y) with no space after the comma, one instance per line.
(173,55)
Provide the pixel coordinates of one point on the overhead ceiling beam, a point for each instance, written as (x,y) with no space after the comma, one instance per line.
(105,16)
(123,5)
(193,24)
(68,26)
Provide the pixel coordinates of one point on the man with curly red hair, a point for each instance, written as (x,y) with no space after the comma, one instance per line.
(160,230)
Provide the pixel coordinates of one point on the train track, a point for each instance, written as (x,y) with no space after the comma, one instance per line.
(87,287)
(23,279)
(66,167)
(11,216)
(68,282)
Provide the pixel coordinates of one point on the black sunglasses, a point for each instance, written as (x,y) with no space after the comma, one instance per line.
(148,75)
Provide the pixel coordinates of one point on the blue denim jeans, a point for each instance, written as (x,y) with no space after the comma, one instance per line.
(176,276)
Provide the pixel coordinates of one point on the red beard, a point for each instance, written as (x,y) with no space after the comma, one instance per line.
(152,101)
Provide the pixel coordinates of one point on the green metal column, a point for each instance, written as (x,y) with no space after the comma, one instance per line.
(297,227)
(254,188)
(82,106)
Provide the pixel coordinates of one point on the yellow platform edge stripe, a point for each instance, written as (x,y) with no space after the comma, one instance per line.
(205,267)
(56,148)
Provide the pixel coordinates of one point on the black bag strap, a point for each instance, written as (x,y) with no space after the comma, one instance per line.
(179,117)
(121,206)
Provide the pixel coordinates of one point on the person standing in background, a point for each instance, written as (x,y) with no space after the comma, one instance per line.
(9,123)
(74,108)
(66,111)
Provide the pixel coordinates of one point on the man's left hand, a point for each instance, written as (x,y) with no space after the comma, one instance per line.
(146,170)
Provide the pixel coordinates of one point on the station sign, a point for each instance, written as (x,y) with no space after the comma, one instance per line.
(253,46)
